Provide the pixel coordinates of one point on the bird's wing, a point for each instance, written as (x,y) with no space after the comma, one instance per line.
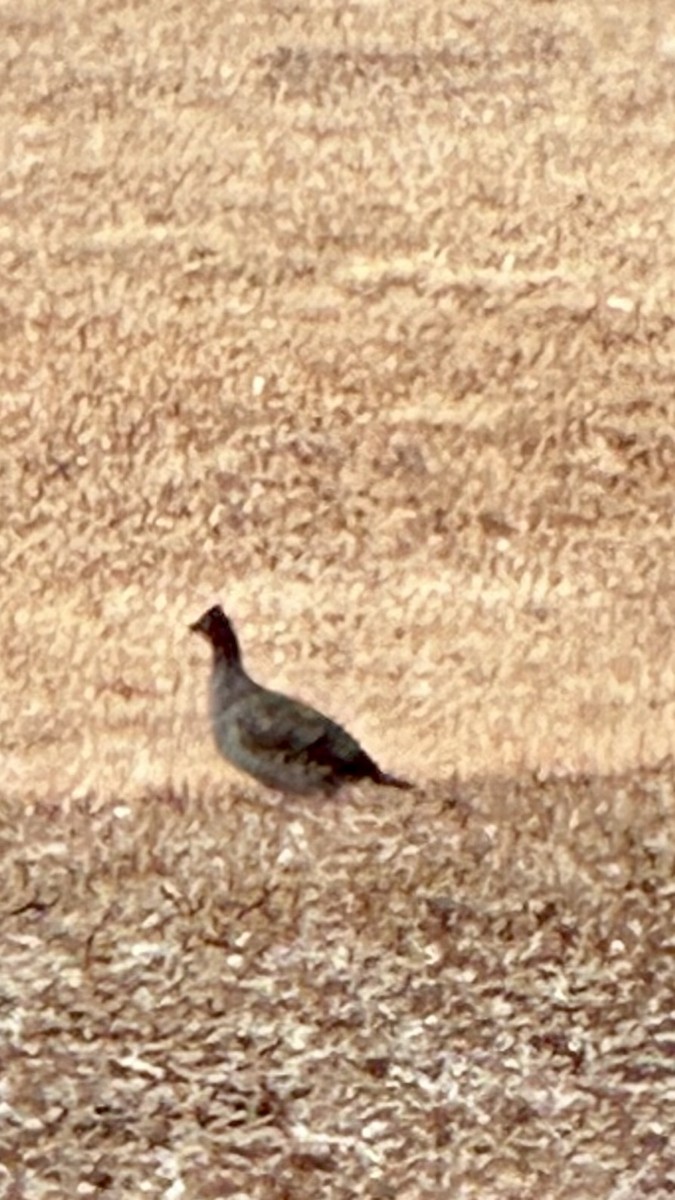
(275,724)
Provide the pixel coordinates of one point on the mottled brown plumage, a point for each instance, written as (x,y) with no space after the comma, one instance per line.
(280,741)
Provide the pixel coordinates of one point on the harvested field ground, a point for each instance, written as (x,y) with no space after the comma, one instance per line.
(359,319)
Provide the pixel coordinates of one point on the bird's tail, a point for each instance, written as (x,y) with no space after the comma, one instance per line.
(392,781)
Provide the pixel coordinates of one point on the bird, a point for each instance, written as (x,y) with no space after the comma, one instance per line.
(281,742)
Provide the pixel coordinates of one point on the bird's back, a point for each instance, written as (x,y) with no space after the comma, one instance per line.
(287,744)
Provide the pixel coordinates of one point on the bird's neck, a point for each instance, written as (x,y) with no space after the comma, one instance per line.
(226,656)
(224,643)
(229,681)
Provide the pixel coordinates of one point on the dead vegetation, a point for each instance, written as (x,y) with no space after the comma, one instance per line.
(359,321)
(457,994)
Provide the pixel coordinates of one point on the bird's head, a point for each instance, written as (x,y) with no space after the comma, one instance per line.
(217,629)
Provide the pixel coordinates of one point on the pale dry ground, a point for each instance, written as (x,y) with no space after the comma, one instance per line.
(361,321)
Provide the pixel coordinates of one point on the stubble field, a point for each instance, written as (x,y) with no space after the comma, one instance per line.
(359,321)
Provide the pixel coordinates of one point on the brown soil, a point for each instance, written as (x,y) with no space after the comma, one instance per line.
(358,319)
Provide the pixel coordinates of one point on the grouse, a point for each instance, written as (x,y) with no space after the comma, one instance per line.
(280,741)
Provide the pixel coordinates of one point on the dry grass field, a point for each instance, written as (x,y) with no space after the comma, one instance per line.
(360,319)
